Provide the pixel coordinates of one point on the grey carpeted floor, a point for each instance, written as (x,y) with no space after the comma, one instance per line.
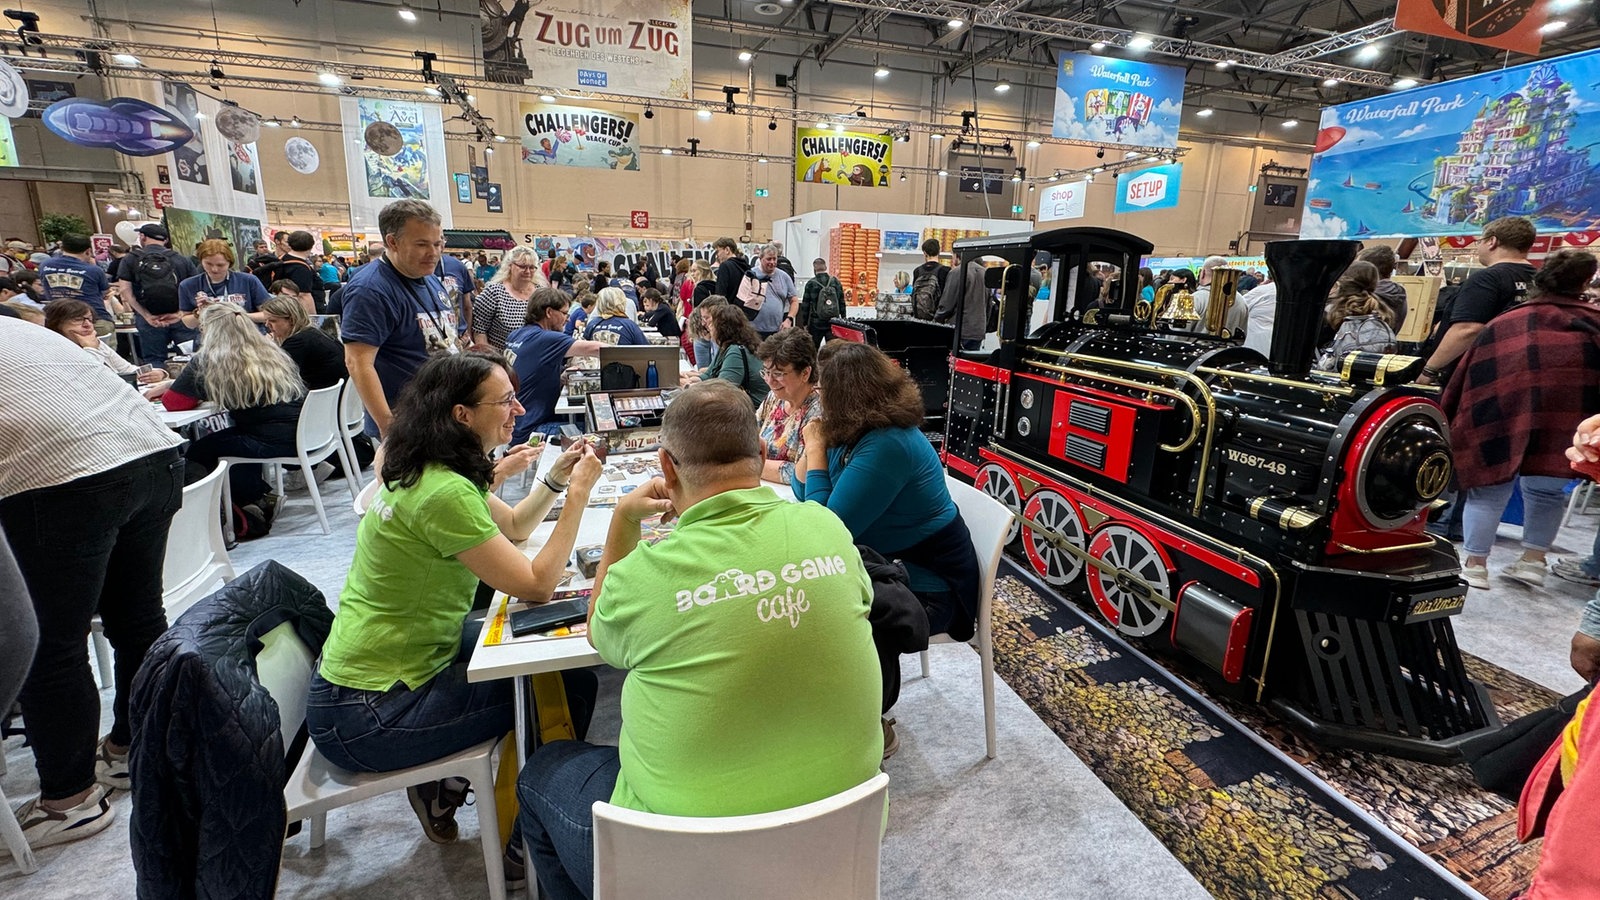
(1032,823)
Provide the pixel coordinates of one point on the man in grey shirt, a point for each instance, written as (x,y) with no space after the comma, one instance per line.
(780,300)
(972,297)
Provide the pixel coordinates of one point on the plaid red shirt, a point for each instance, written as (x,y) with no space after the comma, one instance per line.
(1521,390)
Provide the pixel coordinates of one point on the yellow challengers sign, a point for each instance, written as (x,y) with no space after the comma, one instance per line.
(825,156)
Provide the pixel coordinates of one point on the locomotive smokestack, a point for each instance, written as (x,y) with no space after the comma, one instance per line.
(1304,272)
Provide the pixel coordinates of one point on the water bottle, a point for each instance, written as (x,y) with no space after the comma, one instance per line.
(652,378)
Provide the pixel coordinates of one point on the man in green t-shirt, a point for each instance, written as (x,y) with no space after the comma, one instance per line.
(752,682)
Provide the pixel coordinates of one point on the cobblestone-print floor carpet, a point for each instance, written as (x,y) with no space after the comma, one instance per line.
(1244,823)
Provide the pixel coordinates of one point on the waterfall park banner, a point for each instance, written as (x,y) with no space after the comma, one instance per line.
(827,156)
(579,136)
(1445,159)
(393,150)
(1117,101)
(638,48)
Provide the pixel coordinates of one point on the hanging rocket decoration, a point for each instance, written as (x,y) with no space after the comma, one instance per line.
(125,124)
(13,91)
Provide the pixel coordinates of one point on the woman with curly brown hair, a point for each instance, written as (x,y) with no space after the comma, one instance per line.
(736,342)
(1357,318)
(866,460)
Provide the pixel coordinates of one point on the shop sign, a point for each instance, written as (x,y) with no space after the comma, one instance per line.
(1118,101)
(1150,189)
(1062,201)
(851,158)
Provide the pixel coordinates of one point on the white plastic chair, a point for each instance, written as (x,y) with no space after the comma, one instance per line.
(317,437)
(197,557)
(1578,501)
(828,849)
(197,552)
(316,787)
(350,424)
(989,521)
(363,501)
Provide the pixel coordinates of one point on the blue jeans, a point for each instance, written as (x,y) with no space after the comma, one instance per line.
(1543,503)
(1591,565)
(154,339)
(555,791)
(244,480)
(704,353)
(381,731)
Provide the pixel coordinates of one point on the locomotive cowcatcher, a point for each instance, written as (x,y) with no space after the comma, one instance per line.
(1238,510)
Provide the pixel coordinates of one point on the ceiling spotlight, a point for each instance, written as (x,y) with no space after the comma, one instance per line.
(1097,45)
(694,146)
(1001,86)
(111,208)
(902,176)
(1291,123)
(1153,156)
(1205,113)
(1006,148)
(839,127)
(294,122)
(272,123)
(432,91)
(1561,5)
(1552,26)
(648,112)
(1016,178)
(1403,83)
(125,59)
(746,56)
(1223,63)
(488,151)
(472,98)
(1053,176)
(1369,53)
(943,174)
(1140,42)
(1100,154)
(703,113)
(199,115)
(1033,145)
(551,98)
(134,213)
(936,136)
(406,13)
(1099,169)
(666,151)
(953,24)
(1330,82)
(1030,188)
(773,125)
(821,124)
(762,160)
(330,79)
(500,139)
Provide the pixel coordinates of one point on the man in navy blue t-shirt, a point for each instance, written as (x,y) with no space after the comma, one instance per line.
(74,276)
(541,349)
(396,312)
(457,281)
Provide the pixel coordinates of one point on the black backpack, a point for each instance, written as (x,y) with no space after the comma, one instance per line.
(617,376)
(157,279)
(830,301)
(925,295)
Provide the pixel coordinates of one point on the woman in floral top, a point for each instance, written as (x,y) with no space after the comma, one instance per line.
(790,367)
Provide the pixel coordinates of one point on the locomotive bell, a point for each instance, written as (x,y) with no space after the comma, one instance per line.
(1176,305)
(1407,470)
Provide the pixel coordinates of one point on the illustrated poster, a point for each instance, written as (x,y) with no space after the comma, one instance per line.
(851,158)
(579,136)
(394,150)
(1117,101)
(638,48)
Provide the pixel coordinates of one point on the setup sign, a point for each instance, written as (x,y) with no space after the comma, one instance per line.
(826,156)
(579,136)
(1150,189)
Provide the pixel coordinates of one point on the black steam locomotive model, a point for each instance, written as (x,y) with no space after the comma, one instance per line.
(1240,510)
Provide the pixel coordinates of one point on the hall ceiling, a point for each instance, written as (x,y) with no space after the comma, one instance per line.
(1286,76)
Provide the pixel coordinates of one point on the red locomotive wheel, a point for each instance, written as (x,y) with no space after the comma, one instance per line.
(1054,511)
(1132,553)
(995,481)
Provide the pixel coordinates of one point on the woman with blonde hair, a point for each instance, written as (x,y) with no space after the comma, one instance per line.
(318,355)
(611,324)
(502,305)
(242,371)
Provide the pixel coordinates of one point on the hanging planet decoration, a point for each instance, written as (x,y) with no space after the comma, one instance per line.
(238,125)
(13,91)
(384,139)
(302,155)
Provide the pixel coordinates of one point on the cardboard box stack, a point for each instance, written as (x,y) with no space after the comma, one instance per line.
(948,236)
(853,258)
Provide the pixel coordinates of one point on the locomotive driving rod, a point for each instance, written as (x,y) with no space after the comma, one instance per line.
(1124,578)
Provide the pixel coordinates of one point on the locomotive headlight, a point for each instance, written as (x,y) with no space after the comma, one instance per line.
(1404,467)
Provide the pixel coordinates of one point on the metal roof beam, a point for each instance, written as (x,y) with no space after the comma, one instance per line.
(1366,34)
(867,22)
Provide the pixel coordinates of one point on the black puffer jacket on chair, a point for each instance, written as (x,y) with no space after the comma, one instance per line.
(208,761)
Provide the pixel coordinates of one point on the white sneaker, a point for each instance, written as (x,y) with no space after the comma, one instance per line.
(1476,576)
(1527,571)
(111,769)
(45,827)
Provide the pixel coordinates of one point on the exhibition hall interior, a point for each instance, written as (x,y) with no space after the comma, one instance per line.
(799,449)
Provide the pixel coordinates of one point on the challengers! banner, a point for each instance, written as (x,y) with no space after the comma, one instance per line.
(579,136)
(826,156)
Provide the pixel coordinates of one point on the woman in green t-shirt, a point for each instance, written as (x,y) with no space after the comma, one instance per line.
(391,688)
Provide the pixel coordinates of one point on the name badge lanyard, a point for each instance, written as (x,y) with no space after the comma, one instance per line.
(416,297)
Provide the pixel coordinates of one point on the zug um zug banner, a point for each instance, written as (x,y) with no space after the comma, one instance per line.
(827,156)
(639,48)
(1446,159)
(579,136)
